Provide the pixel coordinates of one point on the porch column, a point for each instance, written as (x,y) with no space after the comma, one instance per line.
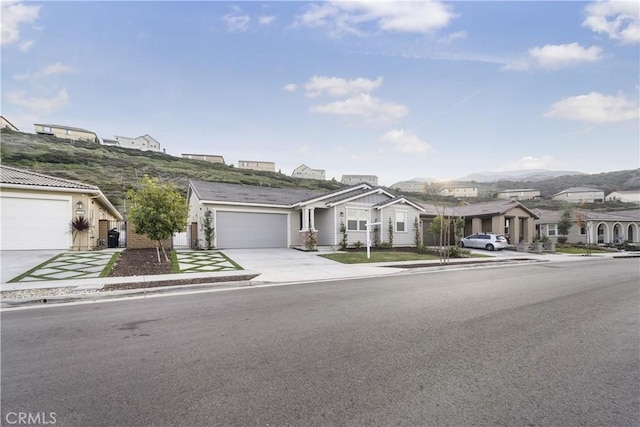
(527,226)
(515,230)
(476,225)
(312,218)
(497,224)
(305,219)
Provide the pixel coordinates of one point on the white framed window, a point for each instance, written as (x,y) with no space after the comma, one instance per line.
(357,219)
(401,221)
(552,230)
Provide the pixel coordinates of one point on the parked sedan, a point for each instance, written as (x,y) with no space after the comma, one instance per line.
(488,241)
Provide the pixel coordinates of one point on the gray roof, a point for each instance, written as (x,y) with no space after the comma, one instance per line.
(490,208)
(578,190)
(251,194)
(553,217)
(64,127)
(9,175)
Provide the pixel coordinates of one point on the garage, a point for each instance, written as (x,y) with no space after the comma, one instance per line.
(32,223)
(251,230)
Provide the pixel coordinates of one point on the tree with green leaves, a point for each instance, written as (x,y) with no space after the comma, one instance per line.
(157,211)
(209,230)
(565,223)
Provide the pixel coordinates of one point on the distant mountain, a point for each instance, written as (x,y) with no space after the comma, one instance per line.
(531,175)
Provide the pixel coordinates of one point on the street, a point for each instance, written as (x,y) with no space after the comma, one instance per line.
(538,344)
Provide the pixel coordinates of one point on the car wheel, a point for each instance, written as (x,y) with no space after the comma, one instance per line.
(490,247)
(461,244)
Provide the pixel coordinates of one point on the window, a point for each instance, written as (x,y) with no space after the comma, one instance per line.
(357,219)
(401,221)
(552,230)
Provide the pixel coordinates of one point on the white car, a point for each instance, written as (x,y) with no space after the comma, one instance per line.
(488,241)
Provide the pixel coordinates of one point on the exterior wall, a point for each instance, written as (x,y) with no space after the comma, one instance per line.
(460,192)
(360,179)
(306,172)
(519,195)
(205,157)
(624,196)
(328,226)
(600,232)
(410,187)
(67,133)
(139,241)
(4,123)
(256,165)
(143,143)
(580,196)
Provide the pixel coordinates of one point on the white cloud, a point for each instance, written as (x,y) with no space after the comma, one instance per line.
(450,38)
(49,70)
(530,162)
(25,45)
(237,22)
(364,105)
(350,17)
(14,14)
(406,142)
(617,19)
(595,108)
(557,56)
(266,20)
(39,105)
(290,87)
(339,87)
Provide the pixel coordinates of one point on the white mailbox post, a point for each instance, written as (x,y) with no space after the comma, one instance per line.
(368,225)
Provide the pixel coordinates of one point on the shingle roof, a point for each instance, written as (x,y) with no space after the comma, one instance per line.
(240,193)
(552,217)
(9,175)
(489,208)
(64,127)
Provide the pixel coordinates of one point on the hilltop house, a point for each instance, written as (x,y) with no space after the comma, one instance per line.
(360,179)
(579,195)
(520,194)
(247,216)
(143,143)
(304,171)
(257,165)
(460,191)
(211,158)
(37,211)
(6,124)
(596,227)
(410,186)
(624,196)
(66,132)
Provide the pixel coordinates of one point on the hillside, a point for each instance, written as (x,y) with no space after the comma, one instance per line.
(115,170)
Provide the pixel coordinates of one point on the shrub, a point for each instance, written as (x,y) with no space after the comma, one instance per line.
(358,244)
(562,239)
(343,231)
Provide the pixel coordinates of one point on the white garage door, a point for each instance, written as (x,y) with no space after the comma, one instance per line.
(251,230)
(35,223)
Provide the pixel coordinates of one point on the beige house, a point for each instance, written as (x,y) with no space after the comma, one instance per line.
(6,124)
(304,171)
(604,228)
(459,191)
(624,196)
(360,179)
(66,132)
(211,158)
(37,211)
(257,165)
(410,186)
(507,217)
(143,143)
(520,194)
(579,195)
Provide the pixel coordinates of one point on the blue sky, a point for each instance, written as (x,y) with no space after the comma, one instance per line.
(395,89)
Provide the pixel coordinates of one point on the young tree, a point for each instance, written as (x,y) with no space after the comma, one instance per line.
(209,230)
(565,223)
(157,211)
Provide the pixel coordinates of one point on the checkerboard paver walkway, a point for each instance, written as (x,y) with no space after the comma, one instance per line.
(204,261)
(72,265)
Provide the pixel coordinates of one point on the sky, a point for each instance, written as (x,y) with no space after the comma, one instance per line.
(400,89)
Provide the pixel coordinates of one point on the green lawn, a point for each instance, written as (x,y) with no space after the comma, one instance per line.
(577,251)
(377,256)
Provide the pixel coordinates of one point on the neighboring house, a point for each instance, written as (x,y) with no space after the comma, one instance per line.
(520,194)
(66,132)
(597,227)
(624,196)
(360,179)
(36,211)
(257,166)
(144,143)
(263,217)
(459,191)
(304,171)
(4,123)
(410,186)
(580,195)
(211,158)
(507,217)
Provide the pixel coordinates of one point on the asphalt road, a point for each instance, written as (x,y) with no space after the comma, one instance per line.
(541,344)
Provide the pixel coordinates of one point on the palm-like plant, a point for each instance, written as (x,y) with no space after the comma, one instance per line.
(79,225)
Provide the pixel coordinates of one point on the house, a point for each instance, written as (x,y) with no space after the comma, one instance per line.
(247,216)
(459,191)
(592,226)
(37,210)
(144,143)
(507,217)
(66,132)
(520,194)
(410,186)
(624,196)
(360,179)
(579,195)
(6,124)
(211,158)
(257,165)
(304,171)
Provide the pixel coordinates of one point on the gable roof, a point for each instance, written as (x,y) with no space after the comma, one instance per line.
(578,190)
(494,207)
(64,127)
(396,200)
(23,179)
(553,216)
(249,194)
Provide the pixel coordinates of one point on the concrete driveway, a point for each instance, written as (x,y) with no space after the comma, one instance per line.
(291,265)
(14,263)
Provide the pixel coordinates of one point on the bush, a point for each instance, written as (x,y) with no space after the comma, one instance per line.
(562,239)
(385,245)
(358,244)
